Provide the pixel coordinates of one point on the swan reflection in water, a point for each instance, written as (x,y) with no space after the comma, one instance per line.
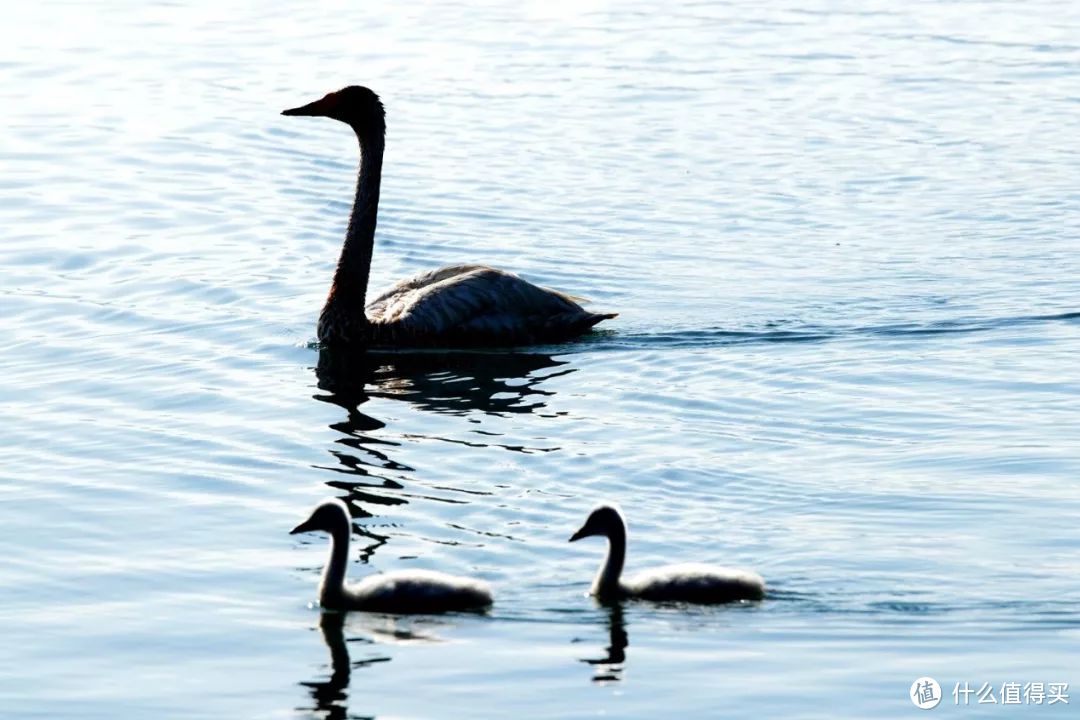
(609,667)
(465,384)
(331,695)
(449,382)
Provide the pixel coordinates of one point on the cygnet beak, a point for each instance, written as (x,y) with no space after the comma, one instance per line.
(303,527)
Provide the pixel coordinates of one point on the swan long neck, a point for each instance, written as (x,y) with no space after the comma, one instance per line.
(606,584)
(351,277)
(332,586)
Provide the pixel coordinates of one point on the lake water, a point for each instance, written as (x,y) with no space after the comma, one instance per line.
(842,238)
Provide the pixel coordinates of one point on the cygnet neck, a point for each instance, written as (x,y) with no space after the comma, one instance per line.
(606,585)
(332,587)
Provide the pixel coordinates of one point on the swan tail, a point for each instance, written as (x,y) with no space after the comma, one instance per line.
(575,323)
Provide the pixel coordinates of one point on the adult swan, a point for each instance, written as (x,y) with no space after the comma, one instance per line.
(453,306)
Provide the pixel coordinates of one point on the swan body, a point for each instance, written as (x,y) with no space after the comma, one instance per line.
(687,582)
(474,305)
(402,591)
(458,305)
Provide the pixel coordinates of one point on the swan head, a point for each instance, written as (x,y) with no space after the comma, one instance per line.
(354,105)
(605,520)
(331,517)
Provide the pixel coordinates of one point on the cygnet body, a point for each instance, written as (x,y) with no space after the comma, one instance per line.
(686,582)
(401,591)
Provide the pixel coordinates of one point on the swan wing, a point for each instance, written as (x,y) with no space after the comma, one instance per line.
(477,304)
(377,307)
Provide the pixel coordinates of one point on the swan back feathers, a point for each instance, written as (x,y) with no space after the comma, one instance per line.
(475,305)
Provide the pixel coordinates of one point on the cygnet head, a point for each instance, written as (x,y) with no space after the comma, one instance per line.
(605,520)
(354,105)
(332,517)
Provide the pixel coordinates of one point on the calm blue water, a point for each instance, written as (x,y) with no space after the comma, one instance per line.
(842,238)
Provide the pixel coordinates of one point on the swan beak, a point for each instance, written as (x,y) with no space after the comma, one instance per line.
(578,535)
(319,108)
(303,527)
